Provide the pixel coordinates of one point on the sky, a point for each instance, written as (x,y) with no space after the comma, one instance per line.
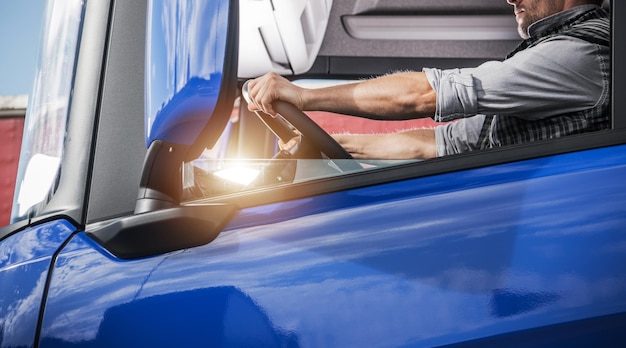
(20,29)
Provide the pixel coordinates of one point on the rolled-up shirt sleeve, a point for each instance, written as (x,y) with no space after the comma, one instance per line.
(457,137)
(456,93)
(559,76)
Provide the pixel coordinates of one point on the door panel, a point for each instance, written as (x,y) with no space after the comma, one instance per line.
(424,262)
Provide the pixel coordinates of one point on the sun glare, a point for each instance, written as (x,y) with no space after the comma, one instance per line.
(239,175)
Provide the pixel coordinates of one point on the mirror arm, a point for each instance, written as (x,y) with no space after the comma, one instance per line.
(161,180)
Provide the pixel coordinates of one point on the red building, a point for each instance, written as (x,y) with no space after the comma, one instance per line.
(12,111)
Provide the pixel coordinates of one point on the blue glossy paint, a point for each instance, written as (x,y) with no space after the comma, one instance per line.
(185,57)
(423,262)
(25,259)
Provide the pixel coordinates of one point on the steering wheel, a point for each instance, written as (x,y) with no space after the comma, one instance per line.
(313,136)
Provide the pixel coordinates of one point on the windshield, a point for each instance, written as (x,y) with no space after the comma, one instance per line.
(46,117)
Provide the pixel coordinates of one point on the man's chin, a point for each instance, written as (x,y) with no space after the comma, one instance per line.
(523,32)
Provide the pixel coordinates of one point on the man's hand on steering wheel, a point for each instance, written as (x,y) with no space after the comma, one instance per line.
(293,127)
(267,89)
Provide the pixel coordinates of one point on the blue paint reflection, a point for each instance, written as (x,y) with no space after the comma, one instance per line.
(24,263)
(506,303)
(381,265)
(185,58)
(91,282)
(213,317)
(225,316)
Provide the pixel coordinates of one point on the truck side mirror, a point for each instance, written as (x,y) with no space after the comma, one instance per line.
(191,77)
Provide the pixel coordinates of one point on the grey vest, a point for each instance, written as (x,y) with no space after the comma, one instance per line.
(592,26)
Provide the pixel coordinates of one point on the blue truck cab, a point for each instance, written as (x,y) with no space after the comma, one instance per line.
(152,209)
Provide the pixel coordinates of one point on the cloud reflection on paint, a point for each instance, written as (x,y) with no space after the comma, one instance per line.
(24,262)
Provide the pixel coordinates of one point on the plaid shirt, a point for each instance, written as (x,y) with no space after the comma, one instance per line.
(593,27)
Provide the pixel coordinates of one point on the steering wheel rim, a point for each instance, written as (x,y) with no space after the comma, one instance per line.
(311,132)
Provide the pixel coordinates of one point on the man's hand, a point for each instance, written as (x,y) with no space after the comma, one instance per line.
(270,87)
(290,146)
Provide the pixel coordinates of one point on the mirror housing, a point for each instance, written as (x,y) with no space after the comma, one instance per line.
(191,79)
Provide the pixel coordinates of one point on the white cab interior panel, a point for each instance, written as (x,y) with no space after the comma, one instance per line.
(283,36)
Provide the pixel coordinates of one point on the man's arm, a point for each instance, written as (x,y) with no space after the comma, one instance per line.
(410,144)
(399,96)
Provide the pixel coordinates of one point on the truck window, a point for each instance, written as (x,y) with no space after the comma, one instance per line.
(249,157)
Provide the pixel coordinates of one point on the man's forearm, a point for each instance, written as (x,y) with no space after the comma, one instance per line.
(410,144)
(399,96)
